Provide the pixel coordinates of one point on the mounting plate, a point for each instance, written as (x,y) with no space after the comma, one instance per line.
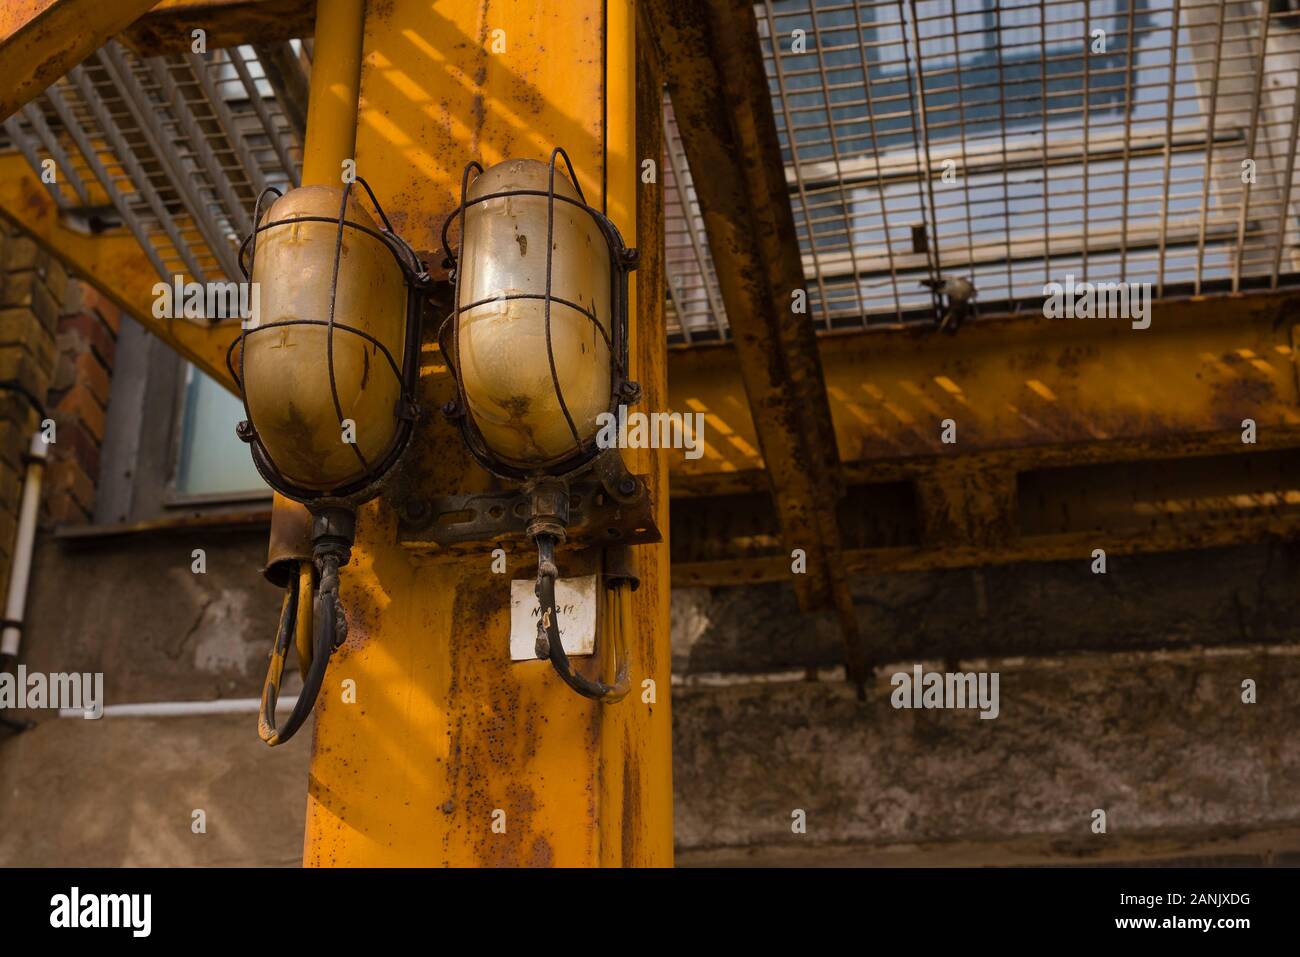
(463,524)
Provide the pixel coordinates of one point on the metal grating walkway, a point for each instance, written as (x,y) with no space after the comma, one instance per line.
(1103,139)
(175,148)
(1013,143)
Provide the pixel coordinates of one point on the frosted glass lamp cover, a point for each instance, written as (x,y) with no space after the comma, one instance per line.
(501,344)
(286,376)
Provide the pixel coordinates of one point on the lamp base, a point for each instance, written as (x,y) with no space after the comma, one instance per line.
(333,529)
(455,525)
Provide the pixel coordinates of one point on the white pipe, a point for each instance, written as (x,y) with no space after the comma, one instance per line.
(178,709)
(16,603)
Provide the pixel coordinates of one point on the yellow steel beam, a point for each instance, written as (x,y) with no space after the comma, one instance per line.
(113,263)
(447,736)
(169,26)
(724,113)
(714,66)
(40,40)
(1025,385)
(1203,517)
(1070,435)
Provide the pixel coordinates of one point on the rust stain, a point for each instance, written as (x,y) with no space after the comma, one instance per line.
(485,717)
(630,829)
(1240,395)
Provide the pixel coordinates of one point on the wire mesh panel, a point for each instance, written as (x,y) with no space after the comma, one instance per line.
(1016,143)
(1010,142)
(695,307)
(176,148)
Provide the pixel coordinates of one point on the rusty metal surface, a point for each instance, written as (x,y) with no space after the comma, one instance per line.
(167,28)
(1023,386)
(290,540)
(1271,525)
(446,730)
(40,40)
(1032,401)
(284,71)
(460,524)
(719,90)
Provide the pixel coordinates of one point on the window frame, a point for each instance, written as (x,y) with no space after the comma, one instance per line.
(141,452)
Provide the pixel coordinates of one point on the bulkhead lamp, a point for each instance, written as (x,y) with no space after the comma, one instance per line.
(328,372)
(327,367)
(537,342)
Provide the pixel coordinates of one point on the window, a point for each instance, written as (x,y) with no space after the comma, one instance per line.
(169,442)
(211,460)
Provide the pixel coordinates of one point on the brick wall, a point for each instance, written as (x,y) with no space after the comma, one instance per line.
(58,336)
(32,292)
(78,401)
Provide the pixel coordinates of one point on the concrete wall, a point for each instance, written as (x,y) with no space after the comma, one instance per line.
(1161,742)
(123,790)
(1120,692)
(131,607)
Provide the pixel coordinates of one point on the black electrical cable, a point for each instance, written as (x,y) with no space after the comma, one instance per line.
(548,633)
(330,630)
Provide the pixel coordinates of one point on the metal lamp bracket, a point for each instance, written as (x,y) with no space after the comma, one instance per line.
(457,525)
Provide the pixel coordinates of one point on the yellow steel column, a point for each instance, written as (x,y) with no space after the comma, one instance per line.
(431,747)
(637,820)
(335,86)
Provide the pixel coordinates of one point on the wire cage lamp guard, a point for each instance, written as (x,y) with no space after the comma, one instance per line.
(407,409)
(548,482)
(623,259)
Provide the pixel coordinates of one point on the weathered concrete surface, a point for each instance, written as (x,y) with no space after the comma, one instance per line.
(1223,596)
(1157,741)
(132,608)
(1268,847)
(1185,772)
(122,791)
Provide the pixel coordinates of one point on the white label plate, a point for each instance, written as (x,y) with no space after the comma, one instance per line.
(575,598)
